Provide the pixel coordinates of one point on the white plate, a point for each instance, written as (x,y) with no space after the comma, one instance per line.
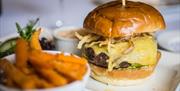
(170,40)
(163,79)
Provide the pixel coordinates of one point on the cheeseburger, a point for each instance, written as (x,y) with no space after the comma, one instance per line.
(119,42)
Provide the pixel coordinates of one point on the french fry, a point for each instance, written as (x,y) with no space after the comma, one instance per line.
(40,83)
(21,52)
(16,75)
(69,69)
(44,84)
(54,69)
(41,59)
(82,71)
(9,82)
(53,77)
(71,59)
(34,41)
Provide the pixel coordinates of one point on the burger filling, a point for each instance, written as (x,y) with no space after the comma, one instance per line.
(129,52)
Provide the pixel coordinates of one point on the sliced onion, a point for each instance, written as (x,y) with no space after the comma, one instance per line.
(85,39)
(130,48)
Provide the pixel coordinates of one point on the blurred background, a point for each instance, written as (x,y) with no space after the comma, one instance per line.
(57,13)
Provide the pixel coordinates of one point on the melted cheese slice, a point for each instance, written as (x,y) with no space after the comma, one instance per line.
(144,52)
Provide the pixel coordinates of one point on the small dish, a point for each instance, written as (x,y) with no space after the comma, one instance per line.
(169,40)
(65,39)
(78,85)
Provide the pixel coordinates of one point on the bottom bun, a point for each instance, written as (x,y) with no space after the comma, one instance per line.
(120,77)
(117,82)
(123,77)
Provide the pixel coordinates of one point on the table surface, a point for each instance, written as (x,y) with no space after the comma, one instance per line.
(70,12)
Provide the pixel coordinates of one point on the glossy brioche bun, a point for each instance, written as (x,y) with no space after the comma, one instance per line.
(113,20)
(122,77)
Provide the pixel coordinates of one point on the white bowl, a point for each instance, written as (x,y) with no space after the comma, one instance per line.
(78,85)
(66,44)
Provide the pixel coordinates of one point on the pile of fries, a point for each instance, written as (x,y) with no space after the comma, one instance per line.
(35,69)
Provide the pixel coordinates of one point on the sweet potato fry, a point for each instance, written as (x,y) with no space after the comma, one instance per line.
(9,82)
(44,84)
(53,77)
(41,83)
(70,70)
(71,59)
(16,75)
(41,59)
(21,52)
(34,42)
